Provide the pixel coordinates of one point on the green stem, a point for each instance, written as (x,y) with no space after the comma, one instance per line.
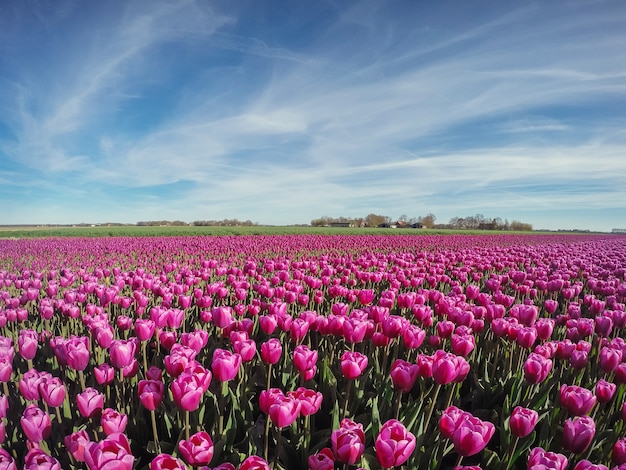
(345,405)
(155,434)
(511,454)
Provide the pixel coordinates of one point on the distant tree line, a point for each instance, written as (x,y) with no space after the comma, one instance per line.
(480,222)
(224,223)
(161,223)
(473,222)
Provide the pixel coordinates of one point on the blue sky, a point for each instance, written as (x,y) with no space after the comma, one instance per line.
(284,111)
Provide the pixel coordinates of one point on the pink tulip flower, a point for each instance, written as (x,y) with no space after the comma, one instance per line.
(37,459)
(578,401)
(284,411)
(254,462)
(36,423)
(90,402)
(246,349)
(587,465)
(27,343)
(323,460)
(348,442)
(523,421)
(111,452)
(104,373)
(536,368)
(150,393)
(472,435)
(52,391)
(76,352)
(6,461)
(450,420)
(610,358)
(198,450)
(310,400)
(353,364)
(271,351)
(403,375)
(618,456)
(76,443)
(112,421)
(394,444)
(122,352)
(167,462)
(539,459)
(225,365)
(304,358)
(187,392)
(604,391)
(578,433)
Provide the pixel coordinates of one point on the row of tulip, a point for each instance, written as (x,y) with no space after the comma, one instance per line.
(313,352)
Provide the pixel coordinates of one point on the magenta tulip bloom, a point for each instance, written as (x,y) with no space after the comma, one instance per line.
(198,450)
(144,329)
(6,461)
(394,444)
(222,316)
(539,459)
(268,397)
(323,460)
(610,358)
(52,391)
(37,459)
(348,442)
(472,435)
(186,392)
(150,393)
(366,296)
(618,456)
(76,353)
(76,443)
(36,423)
(536,368)
(246,349)
(225,365)
(448,368)
(450,420)
(578,401)
(29,385)
(122,352)
(578,433)
(112,421)
(403,375)
(113,452)
(587,465)
(167,462)
(271,351)
(27,343)
(6,368)
(284,411)
(310,400)
(254,462)
(90,402)
(353,364)
(604,391)
(304,358)
(523,421)
(104,373)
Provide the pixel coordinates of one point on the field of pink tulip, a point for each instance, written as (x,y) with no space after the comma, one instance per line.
(313,352)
